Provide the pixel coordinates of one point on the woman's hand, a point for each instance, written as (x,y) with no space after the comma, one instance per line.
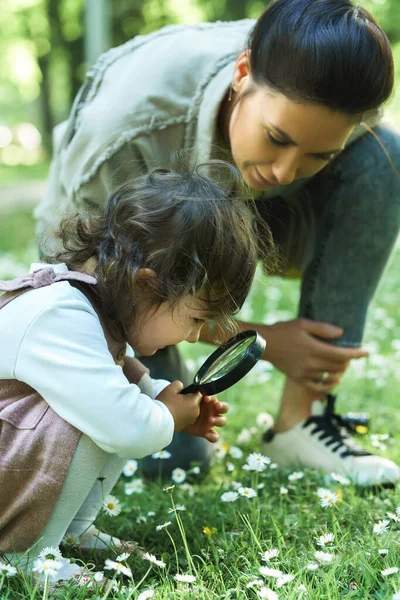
(211,415)
(293,347)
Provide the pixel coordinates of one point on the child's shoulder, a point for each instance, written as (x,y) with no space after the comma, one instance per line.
(61,295)
(44,312)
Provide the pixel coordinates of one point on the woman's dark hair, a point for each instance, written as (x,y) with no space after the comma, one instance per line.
(330,52)
(196,236)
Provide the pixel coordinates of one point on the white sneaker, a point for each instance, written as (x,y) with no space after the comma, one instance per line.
(322,442)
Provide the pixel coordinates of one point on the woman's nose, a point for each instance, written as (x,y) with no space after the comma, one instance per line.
(285,169)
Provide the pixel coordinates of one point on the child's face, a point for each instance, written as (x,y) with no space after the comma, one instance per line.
(155,329)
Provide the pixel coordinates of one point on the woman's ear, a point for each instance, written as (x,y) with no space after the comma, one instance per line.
(241,73)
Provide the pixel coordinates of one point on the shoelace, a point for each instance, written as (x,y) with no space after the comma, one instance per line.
(333,429)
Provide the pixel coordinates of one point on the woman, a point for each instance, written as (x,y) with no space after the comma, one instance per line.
(288,97)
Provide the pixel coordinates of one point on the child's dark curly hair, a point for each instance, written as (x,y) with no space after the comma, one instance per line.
(196,236)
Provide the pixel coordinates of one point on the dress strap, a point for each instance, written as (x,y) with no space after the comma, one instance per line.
(41,278)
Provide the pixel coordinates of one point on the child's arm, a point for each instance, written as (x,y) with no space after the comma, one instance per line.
(62,353)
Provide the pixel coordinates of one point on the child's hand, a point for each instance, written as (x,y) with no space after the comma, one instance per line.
(211,415)
(184,408)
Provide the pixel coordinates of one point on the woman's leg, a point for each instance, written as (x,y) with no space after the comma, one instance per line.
(355,235)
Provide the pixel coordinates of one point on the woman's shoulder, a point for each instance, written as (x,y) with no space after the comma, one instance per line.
(156,75)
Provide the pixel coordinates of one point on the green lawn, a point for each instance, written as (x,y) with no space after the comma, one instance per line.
(225,558)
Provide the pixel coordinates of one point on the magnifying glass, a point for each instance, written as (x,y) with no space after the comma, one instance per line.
(229,363)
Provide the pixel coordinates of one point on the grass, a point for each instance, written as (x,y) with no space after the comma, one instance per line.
(221,543)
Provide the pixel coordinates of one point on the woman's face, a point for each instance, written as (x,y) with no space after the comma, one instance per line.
(275,141)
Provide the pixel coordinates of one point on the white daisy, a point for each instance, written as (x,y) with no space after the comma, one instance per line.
(273,466)
(163,526)
(267,572)
(163,454)
(195,470)
(301,588)
(327,498)
(229,496)
(178,507)
(247,492)
(268,554)
(398,511)
(112,505)
(323,540)
(235,452)
(267,593)
(389,571)
(396,596)
(281,581)
(325,558)
(312,566)
(255,583)
(70,539)
(185,578)
(122,557)
(178,475)
(48,567)
(256,462)
(118,567)
(394,517)
(151,558)
(381,527)
(383,551)
(151,513)
(49,552)
(169,488)
(230,467)
(136,486)
(130,468)
(283,490)
(146,595)
(244,436)
(98,576)
(264,420)
(236,485)
(9,570)
(187,487)
(296,475)
(340,478)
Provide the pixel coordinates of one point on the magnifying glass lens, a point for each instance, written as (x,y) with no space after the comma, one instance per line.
(227,361)
(228,364)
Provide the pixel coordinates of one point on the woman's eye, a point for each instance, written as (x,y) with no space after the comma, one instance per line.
(274,141)
(324,157)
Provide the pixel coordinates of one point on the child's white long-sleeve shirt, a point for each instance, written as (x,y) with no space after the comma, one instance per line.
(51,338)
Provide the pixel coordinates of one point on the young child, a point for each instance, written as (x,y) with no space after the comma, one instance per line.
(171,251)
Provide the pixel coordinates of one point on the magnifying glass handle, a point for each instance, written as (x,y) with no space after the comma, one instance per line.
(190,389)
